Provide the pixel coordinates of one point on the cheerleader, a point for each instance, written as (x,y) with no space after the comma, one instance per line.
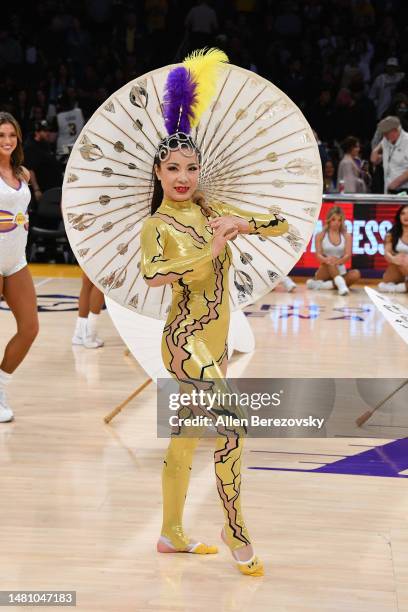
(16,284)
(91,302)
(395,279)
(333,250)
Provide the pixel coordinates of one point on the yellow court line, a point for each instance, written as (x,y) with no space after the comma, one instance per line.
(74,271)
(55,270)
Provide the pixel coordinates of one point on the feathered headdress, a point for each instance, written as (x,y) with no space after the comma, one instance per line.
(190,88)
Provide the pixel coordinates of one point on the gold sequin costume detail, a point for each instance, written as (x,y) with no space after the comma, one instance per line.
(176,246)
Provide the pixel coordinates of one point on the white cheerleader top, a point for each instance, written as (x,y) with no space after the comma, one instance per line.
(333,250)
(13,208)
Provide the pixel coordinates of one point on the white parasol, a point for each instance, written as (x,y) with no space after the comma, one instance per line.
(258,152)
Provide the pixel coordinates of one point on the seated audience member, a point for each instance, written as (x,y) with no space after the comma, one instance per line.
(70,121)
(40,160)
(329,177)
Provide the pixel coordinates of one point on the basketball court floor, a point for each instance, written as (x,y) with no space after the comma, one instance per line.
(80,500)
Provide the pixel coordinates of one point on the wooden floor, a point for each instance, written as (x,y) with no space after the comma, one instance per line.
(80,501)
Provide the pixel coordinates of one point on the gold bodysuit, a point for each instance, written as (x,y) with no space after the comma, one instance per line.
(177,240)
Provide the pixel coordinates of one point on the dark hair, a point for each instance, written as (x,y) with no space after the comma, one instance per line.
(396,230)
(349,143)
(157,196)
(17,156)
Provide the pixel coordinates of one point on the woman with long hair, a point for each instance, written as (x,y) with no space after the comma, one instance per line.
(351,170)
(395,278)
(333,250)
(185,244)
(16,284)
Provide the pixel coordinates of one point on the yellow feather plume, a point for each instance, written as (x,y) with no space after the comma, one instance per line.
(204,66)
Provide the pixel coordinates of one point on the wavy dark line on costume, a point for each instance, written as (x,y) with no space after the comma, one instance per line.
(185,229)
(220,458)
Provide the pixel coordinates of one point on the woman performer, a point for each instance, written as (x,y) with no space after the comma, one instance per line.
(395,279)
(184,243)
(16,284)
(333,249)
(91,301)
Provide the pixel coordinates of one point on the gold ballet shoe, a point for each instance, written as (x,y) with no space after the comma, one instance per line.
(252,567)
(164,545)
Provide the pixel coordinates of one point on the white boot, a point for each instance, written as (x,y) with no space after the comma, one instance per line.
(315,284)
(80,331)
(288,284)
(327,284)
(341,285)
(91,339)
(6,413)
(392,287)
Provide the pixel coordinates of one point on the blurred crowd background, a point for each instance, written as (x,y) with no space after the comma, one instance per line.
(342,61)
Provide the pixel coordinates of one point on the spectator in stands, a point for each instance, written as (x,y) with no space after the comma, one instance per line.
(350,168)
(324,156)
(49,110)
(343,115)
(351,71)
(294,82)
(201,24)
(395,278)
(398,108)
(288,23)
(61,82)
(392,151)
(363,120)
(364,50)
(22,110)
(127,37)
(39,159)
(320,115)
(385,84)
(329,177)
(78,42)
(70,122)
(11,53)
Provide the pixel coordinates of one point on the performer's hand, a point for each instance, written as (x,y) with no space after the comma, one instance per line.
(221,237)
(225,223)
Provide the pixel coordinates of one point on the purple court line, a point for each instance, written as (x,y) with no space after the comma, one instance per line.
(386,461)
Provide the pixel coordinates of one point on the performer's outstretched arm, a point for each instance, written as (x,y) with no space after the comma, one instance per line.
(250,222)
(156,269)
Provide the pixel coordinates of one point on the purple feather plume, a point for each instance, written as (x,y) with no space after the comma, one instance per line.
(179,97)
